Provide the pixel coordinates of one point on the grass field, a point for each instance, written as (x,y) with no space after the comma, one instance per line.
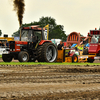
(0,56)
(45,63)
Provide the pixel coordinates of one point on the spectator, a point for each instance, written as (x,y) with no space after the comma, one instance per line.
(1,44)
(60,46)
(7,44)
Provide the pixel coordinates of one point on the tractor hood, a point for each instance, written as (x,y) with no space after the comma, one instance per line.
(93,48)
(21,42)
(15,46)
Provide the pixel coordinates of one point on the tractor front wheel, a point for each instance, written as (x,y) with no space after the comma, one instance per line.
(23,56)
(7,57)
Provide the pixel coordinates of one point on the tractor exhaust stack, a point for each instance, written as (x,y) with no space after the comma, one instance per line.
(20,33)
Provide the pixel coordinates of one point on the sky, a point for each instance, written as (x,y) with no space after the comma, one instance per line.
(75,15)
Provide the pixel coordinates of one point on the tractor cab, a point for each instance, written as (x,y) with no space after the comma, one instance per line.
(32,34)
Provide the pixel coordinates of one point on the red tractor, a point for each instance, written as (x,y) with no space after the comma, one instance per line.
(33,46)
(94,48)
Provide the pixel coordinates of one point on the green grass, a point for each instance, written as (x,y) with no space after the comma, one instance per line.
(45,63)
(0,56)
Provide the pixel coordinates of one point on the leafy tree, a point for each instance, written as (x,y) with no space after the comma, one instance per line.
(0,32)
(55,31)
(58,33)
(16,34)
(82,35)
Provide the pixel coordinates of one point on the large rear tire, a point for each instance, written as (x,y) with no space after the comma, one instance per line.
(47,53)
(23,56)
(7,57)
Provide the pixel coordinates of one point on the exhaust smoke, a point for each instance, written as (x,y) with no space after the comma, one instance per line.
(19,7)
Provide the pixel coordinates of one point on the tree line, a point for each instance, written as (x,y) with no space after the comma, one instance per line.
(55,31)
(0,32)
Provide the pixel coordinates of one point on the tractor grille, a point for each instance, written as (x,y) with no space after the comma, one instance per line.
(12,44)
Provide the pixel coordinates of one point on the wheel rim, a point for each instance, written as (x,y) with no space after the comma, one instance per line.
(24,57)
(75,59)
(51,53)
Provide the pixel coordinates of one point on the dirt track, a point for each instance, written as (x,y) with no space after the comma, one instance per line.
(50,82)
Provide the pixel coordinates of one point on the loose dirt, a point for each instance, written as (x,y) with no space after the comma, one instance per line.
(49,82)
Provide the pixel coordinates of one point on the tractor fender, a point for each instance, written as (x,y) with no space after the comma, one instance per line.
(44,41)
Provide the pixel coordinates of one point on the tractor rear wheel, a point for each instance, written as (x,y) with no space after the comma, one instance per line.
(74,58)
(23,56)
(7,57)
(47,53)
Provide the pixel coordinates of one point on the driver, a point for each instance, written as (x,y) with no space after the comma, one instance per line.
(60,46)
